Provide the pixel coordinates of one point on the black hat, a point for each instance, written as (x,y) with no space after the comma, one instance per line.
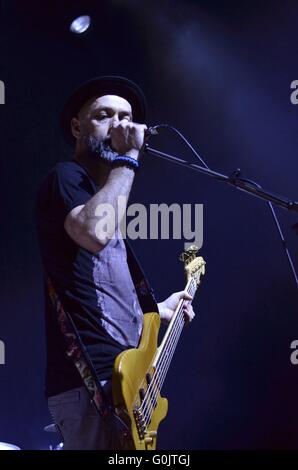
(108,85)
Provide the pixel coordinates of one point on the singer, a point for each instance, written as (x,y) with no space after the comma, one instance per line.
(95,290)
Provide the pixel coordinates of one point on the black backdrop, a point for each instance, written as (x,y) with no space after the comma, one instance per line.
(220,72)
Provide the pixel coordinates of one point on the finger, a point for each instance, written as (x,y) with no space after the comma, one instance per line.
(140,127)
(188,318)
(118,129)
(184,295)
(133,126)
(187,305)
(189,312)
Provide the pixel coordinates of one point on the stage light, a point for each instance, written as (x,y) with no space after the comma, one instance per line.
(80,24)
(6,446)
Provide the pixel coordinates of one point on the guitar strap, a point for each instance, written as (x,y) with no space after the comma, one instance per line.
(79,355)
(143,289)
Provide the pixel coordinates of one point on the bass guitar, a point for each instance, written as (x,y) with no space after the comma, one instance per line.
(139,373)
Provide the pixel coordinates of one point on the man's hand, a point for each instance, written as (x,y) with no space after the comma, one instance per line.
(168,306)
(127,138)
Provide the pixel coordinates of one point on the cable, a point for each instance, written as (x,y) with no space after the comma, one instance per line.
(237,176)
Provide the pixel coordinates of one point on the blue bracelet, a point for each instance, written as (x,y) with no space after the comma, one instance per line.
(125,160)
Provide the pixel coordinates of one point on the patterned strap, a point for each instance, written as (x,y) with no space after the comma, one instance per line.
(79,355)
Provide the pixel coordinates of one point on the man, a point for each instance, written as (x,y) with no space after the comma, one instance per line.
(90,272)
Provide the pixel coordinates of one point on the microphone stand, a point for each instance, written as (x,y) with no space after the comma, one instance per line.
(234,180)
(242,184)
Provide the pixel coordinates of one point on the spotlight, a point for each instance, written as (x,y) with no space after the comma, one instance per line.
(80,24)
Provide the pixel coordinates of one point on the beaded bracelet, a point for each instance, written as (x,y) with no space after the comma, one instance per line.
(125,160)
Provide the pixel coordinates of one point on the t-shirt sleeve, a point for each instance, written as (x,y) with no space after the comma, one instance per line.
(71,188)
(66,187)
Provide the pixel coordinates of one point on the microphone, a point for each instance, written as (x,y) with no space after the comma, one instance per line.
(154,130)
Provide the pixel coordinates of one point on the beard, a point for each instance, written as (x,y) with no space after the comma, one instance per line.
(99,149)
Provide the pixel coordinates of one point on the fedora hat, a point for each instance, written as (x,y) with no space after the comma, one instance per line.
(100,86)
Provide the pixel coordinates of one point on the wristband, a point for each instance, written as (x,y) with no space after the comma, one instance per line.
(125,160)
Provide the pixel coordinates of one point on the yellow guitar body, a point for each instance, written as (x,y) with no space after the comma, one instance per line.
(130,369)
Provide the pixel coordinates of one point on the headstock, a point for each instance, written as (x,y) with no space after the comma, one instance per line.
(194,266)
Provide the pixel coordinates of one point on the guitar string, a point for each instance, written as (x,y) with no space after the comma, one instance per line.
(163,363)
(163,367)
(149,401)
(164,356)
(157,378)
(180,321)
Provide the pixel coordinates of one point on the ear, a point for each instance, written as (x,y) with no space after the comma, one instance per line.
(75,127)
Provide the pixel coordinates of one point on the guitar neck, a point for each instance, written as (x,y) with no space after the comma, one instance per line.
(165,351)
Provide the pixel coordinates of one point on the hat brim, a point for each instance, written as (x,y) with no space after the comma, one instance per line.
(100,86)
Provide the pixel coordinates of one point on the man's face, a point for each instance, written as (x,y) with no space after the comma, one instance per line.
(98,115)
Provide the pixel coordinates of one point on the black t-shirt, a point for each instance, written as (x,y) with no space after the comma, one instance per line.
(71,270)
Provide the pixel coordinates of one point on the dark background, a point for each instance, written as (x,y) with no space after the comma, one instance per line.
(221,73)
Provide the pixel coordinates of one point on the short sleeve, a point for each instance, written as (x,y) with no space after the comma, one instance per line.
(72,187)
(67,186)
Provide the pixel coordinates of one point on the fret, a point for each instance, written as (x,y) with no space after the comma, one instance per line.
(169,344)
(194,267)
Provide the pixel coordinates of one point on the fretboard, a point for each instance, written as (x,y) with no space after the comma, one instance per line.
(170,340)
